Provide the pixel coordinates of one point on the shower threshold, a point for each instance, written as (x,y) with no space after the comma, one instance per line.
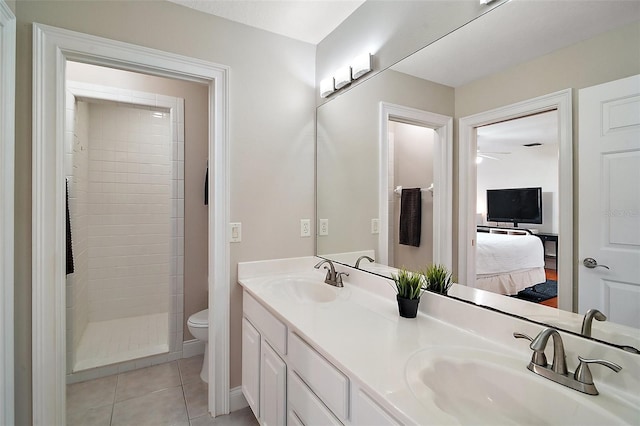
(123,339)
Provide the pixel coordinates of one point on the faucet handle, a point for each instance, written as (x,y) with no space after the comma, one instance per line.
(339,278)
(538,357)
(583,373)
(522,336)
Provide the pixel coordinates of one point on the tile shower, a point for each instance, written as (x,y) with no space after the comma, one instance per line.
(124,162)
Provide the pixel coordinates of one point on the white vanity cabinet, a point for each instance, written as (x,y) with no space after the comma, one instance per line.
(286,381)
(264,372)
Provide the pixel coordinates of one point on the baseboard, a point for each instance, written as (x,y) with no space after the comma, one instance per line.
(192,348)
(237,401)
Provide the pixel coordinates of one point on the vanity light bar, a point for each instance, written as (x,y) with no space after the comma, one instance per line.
(327,87)
(360,66)
(342,77)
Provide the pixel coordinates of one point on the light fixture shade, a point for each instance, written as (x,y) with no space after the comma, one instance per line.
(342,77)
(326,87)
(361,65)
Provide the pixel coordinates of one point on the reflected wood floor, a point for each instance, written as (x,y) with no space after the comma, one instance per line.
(551,274)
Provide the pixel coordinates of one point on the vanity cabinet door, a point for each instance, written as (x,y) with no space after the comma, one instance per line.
(367,412)
(272,388)
(251,366)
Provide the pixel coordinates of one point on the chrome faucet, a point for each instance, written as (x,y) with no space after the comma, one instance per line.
(539,344)
(333,278)
(363,257)
(588,319)
(581,380)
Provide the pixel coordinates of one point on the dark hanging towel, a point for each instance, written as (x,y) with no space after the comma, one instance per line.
(69,248)
(410,217)
(206,186)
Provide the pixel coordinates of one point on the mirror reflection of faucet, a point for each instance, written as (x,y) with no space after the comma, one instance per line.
(363,257)
(581,380)
(587,322)
(588,319)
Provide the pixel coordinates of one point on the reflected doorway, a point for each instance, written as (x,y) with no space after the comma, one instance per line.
(411,147)
(517,157)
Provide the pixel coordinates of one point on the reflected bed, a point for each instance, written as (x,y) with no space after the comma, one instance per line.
(506,264)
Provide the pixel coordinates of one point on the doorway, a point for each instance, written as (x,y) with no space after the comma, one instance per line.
(412,149)
(442,160)
(52,48)
(467,189)
(515,158)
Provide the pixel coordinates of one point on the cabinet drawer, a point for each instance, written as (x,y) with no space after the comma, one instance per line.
(309,409)
(274,331)
(326,381)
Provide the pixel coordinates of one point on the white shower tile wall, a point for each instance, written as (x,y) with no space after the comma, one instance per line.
(133,206)
(129,211)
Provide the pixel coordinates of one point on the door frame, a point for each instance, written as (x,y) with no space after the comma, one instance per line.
(467,184)
(52,47)
(7,149)
(442,179)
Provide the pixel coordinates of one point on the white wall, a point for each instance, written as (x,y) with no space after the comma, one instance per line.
(524,168)
(413,168)
(271,126)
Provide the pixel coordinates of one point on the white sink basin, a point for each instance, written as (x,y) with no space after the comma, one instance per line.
(481,387)
(302,289)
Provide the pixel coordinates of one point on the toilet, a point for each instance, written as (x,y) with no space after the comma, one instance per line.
(198,324)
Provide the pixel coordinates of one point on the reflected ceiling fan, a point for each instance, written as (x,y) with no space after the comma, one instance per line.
(489,155)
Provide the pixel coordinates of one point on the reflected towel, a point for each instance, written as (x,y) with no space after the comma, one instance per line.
(69,244)
(206,186)
(410,217)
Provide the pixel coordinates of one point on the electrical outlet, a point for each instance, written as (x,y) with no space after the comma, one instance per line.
(375,226)
(235,232)
(305,227)
(324,227)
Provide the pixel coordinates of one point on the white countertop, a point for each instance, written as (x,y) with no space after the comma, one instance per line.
(363,335)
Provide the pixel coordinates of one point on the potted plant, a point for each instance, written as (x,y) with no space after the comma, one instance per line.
(438,279)
(409,286)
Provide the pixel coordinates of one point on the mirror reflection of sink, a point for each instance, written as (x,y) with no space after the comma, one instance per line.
(482,387)
(303,289)
(379,269)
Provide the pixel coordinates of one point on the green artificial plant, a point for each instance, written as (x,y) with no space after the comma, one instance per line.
(409,284)
(438,278)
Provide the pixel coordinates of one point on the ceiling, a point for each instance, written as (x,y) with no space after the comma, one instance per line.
(306,20)
(507,137)
(513,33)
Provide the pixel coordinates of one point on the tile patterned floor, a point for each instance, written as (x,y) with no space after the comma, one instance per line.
(165,394)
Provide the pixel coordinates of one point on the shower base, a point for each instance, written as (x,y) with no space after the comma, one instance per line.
(123,339)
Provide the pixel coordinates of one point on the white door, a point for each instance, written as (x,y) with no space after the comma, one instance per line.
(609,207)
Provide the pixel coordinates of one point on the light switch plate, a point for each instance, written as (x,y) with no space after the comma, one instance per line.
(324,227)
(375,226)
(235,232)
(305,227)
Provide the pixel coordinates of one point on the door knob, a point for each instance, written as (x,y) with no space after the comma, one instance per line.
(591,263)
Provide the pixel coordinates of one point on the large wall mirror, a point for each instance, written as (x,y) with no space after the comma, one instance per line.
(513,80)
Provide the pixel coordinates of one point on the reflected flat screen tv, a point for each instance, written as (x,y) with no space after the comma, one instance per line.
(516,205)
